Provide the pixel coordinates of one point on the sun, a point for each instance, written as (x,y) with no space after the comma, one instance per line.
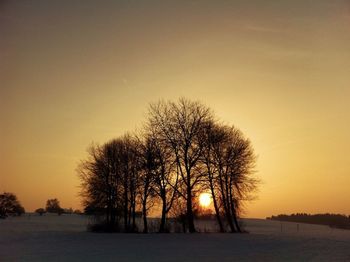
(204,199)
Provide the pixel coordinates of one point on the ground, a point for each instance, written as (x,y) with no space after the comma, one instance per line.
(64,238)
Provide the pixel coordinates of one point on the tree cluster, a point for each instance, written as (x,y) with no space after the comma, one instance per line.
(182,152)
(10,206)
(53,206)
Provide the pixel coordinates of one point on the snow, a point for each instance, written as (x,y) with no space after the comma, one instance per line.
(64,238)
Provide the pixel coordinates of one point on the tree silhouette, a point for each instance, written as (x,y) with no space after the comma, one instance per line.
(111,181)
(179,125)
(10,206)
(101,181)
(229,160)
(53,206)
(182,152)
(160,165)
(148,176)
(40,211)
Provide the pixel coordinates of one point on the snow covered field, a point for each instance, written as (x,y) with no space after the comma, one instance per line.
(64,238)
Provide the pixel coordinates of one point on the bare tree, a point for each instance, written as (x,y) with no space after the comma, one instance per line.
(179,125)
(131,168)
(212,136)
(165,179)
(230,162)
(148,166)
(100,180)
(110,178)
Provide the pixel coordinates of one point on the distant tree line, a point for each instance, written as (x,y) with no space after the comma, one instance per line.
(183,150)
(333,220)
(53,206)
(10,206)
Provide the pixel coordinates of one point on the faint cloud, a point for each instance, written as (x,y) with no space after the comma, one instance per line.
(262,29)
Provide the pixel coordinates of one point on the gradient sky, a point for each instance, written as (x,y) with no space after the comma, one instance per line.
(73,72)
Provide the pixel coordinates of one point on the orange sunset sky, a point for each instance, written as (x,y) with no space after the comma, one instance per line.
(73,72)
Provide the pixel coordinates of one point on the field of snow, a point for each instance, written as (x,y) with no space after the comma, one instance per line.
(64,238)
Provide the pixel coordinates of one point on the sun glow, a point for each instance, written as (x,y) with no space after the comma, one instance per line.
(204,199)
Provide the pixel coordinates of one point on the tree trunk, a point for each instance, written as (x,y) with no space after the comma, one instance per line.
(217,213)
(144,212)
(236,222)
(163,218)
(229,219)
(125,210)
(234,215)
(225,204)
(216,208)
(133,212)
(190,217)
(233,209)
(113,216)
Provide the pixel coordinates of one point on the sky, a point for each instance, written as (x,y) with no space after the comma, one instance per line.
(77,72)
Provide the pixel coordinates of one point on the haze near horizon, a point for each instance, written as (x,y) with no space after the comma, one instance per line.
(76,72)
